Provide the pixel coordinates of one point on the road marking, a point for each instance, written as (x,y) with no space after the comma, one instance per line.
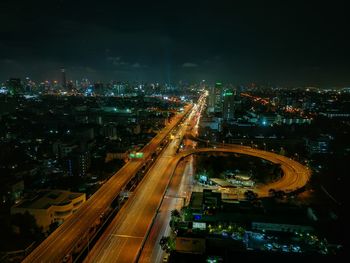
(126,236)
(174,196)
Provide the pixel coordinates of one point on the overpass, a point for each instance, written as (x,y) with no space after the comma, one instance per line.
(295,175)
(123,239)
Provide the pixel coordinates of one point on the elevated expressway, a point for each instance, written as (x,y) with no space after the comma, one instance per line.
(123,240)
(124,237)
(73,233)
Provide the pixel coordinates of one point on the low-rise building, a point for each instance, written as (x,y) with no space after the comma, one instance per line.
(50,206)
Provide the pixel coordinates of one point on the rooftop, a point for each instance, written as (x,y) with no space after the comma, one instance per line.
(46,198)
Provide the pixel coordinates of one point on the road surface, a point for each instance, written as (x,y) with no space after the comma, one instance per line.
(177,195)
(124,237)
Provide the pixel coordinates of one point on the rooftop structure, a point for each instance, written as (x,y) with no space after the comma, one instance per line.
(50,206)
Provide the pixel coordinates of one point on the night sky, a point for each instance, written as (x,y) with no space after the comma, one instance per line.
(280,42)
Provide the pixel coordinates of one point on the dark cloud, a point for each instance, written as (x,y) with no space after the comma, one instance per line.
(238,41)
(189,65)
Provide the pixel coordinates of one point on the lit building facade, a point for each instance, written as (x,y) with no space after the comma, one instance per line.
(50,206)
(228,105)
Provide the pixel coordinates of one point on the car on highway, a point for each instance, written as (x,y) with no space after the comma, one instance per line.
(67,258)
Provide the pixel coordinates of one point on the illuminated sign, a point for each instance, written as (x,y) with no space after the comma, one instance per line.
(199,225)
(136,155)
(139,155)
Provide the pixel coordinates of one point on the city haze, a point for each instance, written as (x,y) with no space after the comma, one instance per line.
(295,43)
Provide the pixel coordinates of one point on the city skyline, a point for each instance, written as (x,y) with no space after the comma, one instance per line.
(289,44)
(173,131)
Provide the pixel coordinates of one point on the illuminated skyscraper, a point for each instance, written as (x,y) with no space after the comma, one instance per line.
(218,97)
(215,98)
(228,105)
(63,78)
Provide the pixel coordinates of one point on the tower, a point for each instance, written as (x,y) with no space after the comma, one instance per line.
(217,97)
(63,78)
(228,105)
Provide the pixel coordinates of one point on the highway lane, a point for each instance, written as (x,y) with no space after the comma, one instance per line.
(177,194)
(124,237)
(75,228)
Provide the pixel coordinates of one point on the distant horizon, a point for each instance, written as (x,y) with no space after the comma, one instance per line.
(185,81)
(271,42)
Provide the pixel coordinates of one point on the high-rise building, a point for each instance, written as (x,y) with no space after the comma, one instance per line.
(118,88)
(218,97)
(215,98)
(78,163)
(228,105)
(63,78)
(211,100)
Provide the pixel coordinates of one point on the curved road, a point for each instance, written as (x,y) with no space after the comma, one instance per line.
(295,175)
